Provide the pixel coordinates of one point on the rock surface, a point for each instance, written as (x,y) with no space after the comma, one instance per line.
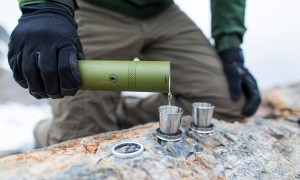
(261,148)
(281,103)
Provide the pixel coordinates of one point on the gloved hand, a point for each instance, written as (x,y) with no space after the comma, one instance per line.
(240,80)
(43,51)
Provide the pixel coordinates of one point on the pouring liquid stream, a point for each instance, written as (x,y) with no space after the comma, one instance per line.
(169,94)
(169,97)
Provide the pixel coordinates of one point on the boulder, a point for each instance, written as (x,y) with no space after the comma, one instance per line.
(266,146)
(260,149)
(281,103)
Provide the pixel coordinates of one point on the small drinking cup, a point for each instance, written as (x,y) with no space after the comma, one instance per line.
(169,119)
(202,114)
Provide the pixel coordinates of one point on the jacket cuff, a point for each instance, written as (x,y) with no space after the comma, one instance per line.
(226,42)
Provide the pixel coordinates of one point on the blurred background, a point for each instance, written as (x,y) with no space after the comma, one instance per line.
(271,46)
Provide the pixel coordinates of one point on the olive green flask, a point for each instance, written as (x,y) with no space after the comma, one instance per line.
(121,75)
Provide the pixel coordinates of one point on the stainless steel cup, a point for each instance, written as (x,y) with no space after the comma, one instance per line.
(169,119)
(202,114)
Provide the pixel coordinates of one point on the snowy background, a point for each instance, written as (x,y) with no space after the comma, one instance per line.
(271,47)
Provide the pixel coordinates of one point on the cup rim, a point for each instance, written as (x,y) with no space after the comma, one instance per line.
(163,106)
(196,105)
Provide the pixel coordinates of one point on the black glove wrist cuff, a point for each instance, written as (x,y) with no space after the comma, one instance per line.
(69,5)
(53,6)
(231,56)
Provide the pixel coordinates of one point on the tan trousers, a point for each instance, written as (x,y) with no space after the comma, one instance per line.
(196,73)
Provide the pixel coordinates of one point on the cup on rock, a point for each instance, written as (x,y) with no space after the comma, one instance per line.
(169,119)
(202,114)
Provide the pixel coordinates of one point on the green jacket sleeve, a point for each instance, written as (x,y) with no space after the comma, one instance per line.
(228,26)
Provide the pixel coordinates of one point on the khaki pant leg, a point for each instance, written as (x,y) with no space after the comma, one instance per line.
(196,70)
(87,113)
(105,35)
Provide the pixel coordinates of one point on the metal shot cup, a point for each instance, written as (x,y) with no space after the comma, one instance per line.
(169,119)
(202,114)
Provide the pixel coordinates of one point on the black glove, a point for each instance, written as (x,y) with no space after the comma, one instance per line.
(43,51)
(240,80)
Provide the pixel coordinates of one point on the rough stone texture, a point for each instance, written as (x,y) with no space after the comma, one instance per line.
(260,148)
(281,103)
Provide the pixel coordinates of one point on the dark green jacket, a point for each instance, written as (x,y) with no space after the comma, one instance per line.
(228,25)
(227,16)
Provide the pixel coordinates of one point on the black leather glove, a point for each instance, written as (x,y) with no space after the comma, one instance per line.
(240,80)
(43,51)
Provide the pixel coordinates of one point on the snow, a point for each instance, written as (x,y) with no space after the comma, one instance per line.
(17,122)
